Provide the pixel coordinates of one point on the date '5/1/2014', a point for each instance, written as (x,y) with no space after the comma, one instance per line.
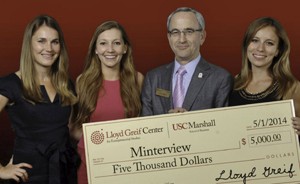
(259,123)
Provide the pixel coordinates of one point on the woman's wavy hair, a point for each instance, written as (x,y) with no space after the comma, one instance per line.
(59,69)
(90,82)
(280,68)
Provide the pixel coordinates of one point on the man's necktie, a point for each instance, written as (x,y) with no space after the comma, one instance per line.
(178,95)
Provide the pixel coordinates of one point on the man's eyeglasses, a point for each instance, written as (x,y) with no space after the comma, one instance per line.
(186,32)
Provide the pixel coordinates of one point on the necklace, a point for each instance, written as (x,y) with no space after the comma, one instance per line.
(258,96)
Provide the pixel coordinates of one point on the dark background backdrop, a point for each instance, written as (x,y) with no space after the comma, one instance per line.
(145,23)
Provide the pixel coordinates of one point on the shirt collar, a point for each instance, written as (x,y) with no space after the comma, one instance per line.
(190,66)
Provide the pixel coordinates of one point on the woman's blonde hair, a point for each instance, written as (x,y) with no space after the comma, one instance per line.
(280,68)
(59,70)
(90,82)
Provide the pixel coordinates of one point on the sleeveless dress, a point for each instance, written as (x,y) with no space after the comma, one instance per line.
(242,97)
(42,135)
(109,107)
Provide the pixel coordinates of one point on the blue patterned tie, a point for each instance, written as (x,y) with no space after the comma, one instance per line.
(178,95)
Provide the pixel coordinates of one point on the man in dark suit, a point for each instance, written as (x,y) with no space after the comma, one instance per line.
(204,85)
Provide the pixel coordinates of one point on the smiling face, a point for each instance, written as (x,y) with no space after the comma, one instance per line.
(186,47)
(110,48)
(263,48)
(45,46)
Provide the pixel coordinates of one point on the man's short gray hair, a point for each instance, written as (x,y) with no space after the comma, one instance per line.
(198,15)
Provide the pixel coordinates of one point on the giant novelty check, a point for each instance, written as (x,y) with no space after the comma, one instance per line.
(241,144)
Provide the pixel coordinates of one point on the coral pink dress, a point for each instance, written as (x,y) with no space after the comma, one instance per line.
(109,107)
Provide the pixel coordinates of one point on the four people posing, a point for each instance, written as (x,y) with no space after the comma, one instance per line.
(40,95)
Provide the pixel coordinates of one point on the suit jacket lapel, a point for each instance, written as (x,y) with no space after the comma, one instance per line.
(196,84)
(166,84)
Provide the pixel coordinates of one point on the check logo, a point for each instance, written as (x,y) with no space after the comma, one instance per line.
(97,137)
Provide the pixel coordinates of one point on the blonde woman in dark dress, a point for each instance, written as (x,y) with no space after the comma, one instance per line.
(38,100)
(266,74)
